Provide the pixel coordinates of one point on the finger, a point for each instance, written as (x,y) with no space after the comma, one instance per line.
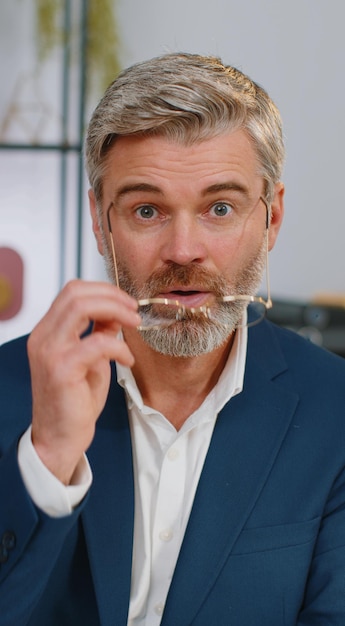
(80,302)
(107,346)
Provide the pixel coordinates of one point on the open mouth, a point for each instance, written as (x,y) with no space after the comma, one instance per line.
(185,293)
(189,298)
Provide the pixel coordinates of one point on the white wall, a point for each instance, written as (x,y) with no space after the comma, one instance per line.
(295,49)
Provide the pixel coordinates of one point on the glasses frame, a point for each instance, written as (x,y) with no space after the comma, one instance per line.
(182,309)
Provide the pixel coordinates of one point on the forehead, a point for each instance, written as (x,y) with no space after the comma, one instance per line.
(166,163)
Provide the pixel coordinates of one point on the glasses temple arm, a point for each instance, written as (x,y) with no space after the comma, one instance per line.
(269,303)
(112,246)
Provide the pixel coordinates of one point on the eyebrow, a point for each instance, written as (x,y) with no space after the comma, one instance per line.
(228,186)
(148,187)
(133,188)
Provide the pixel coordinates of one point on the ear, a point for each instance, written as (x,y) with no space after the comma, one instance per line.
(277,214)
(95,221)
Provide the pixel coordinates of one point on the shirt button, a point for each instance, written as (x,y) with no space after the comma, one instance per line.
(159,608)
(3,554)
(8,540)
(166,534)
(173,454)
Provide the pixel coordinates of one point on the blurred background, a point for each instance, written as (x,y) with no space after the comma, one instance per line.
(56,58)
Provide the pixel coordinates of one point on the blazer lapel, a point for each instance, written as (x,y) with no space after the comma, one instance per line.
(246,440)
(109,513)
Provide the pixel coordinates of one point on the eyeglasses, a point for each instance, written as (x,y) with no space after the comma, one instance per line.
(159,313)
(163,312)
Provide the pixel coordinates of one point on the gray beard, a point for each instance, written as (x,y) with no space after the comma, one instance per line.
(197,335)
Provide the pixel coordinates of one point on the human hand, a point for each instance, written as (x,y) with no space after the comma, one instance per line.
(71,375)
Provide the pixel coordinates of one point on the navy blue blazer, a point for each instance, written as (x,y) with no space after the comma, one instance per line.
(265,543)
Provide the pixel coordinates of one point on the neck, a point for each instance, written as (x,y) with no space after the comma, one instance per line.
(175,387)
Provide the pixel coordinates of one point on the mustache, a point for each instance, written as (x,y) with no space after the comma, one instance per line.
(185,276)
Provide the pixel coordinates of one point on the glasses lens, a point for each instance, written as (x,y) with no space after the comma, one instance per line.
(256,312)
(157,313)
(228,311)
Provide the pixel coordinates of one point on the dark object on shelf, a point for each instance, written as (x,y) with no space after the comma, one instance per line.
(322,323)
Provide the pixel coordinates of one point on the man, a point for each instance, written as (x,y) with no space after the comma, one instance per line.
(201,479)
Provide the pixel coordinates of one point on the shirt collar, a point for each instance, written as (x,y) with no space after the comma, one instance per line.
(230,382)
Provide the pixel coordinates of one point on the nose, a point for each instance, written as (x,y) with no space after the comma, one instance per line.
(183,241)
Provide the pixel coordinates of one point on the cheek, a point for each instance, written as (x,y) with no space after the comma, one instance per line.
(229,251)
(138,259)
(233,254)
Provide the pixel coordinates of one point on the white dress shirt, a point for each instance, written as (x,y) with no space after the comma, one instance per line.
(167,467)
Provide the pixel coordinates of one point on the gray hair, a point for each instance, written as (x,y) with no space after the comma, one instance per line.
(186,98)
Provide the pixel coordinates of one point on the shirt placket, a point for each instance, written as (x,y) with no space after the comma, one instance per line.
(167,530)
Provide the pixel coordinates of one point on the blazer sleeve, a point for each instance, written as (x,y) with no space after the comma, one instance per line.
(30,541)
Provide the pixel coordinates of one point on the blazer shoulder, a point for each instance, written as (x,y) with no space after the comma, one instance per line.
(294,345)
(15,388)
(308,368)
(14,365)
(14,347)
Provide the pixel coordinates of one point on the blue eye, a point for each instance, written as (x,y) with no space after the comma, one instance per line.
(221,209)
(146,211)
